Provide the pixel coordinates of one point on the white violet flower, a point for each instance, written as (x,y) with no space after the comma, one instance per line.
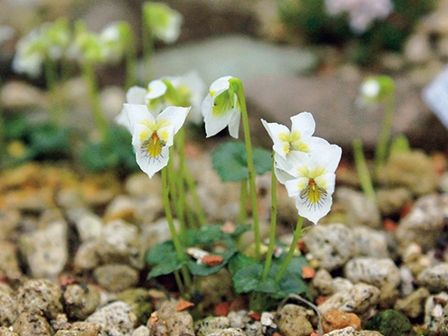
(313,179)
(153,136)
(221,108)
(163,22)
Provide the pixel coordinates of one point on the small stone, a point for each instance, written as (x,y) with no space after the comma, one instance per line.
(413,170)
(89,227)
(391,201)
(122,207)
(424,224)
(176,323)
(350,331)
(39,296)
(80,329)
(141,331)
(8,305)
(413,305)
(80,301)
(370,242)
(238,319)
(435,309)
(215,288)
(418,49)
(435,278)
(341,284)
(323,282)
(333,245)
(360,210)
(138,184)
(17,95)
(32,324)
(9,220)
(335,319)
(115,319)
(139,299)
(60,322)
(292,321)
(183,305)
(9,265)
(116,277)
(377,272)
(228,332)
(86,257)
(211,324)
(46,250)
(390,323)
(7,332)
(359,299)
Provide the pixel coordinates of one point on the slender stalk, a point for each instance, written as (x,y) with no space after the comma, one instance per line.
(242,216)
(51,81)
(197,205)
(180,147)
(273,226)
(362,170)
(169,217)
(292,248)
(97,111)
(179,283)
(175,199)
(385,133)
(250,165)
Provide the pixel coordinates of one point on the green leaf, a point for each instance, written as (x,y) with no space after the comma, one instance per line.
(240,261)
(247,279)
(50,141)
(230,161)
(163,260)
(204,235)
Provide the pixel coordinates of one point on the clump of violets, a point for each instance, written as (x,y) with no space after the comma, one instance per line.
(361,13)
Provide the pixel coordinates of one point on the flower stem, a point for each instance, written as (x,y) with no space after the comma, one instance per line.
(242,216)
(179,281)
(197,205)
(385,133)
(92,87)
(273,226)
(51,81)
(250,164)
(169,217)
(148,44)
(363,170)
(292,248)
(175,199)
(180,147)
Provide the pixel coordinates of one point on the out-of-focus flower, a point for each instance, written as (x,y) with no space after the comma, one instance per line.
(183,91)
(162,21)
(362,13)
(153,136)
(376,89)
(116,38)
(221,108)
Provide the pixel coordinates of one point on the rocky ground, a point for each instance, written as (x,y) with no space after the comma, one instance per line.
(72,247)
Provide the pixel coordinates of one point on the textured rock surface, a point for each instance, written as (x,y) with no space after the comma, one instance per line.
(116,277)
(377,272)
(39,297)
(360,210)
(370,243)
(333,245)
(115,319)
(292,320)
(435,278)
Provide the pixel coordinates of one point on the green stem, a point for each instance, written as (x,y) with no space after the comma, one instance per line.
(51,81)
(273,227)
(179,281)
(362,170)
(92,87)
(169,217)
(197,205)
(172,180)
(148,45)
(292,248)
(242,216)
(180,147)
(385,133)
(250,164)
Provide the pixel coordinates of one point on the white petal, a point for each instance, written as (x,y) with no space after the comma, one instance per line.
(282,176)
(328,156)
(327,181)
(149,165)
(275,130)
(175,115)
(213,124)
(171,33)
(136,95)
(136,113)
(316,212)
(197,88)
(304,123)
(220,85)
(293,162)
(295,186)
(156,89)
(234,124)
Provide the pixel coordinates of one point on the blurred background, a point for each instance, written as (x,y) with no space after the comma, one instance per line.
(293,56)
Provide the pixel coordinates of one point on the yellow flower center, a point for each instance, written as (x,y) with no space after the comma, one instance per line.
(291,142)
(313,193)
(154,145)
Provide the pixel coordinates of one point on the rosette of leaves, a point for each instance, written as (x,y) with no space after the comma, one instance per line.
(230,161)
(163,259)
(247,279)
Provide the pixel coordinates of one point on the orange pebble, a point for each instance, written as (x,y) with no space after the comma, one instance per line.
(308,272)
(183,305)
(212,260)
(222,309)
